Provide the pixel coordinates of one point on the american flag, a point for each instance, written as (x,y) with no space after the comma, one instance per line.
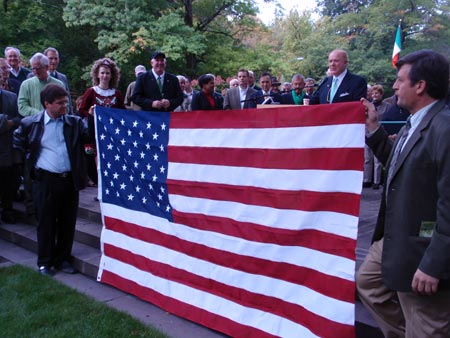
(243,221)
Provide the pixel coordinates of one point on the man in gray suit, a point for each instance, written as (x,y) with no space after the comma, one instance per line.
(405,279)
(239,97)
(53,62)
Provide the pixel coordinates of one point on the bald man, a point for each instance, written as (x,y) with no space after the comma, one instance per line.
(340,85)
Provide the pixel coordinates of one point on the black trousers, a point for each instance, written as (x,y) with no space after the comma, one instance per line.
(7,186)
(56,204)
(92,168)
(28,190)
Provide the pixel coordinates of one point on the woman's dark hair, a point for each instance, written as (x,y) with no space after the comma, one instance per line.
(204,79)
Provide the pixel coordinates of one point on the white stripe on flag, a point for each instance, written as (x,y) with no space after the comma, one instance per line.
(244,315)
(396,50)
(338,136)
(325,263)
(331,222)
(297,294)
(312,180)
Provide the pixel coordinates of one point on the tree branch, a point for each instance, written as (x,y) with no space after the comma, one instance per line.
(220,33)
(202,25)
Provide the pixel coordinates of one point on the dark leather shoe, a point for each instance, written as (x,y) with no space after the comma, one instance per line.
(367,184)
(45,270)
(66,267)
(376,186)
(8,219)
(29,219)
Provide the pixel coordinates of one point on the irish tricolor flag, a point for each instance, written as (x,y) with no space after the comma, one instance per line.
(397,46)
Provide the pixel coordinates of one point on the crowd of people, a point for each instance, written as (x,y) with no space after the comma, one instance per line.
(404,280)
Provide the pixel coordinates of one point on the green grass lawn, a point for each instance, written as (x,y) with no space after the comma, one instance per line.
(32,305)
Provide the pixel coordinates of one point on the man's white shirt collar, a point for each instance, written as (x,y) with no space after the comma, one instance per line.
(47,118)
(340,77)
(242,95)
(419,115)
(156,75)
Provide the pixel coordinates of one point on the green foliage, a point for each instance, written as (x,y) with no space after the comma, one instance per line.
(222,36)
(367,32)
(169,34)
(304,45)
(334,8)
(25,24)
(184,30)
(33,26)
(38,306)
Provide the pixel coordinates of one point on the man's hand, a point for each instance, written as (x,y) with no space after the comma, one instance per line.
(392,137)
(165,103)
(372,123)
(10,124)
(424,284)
(157,104)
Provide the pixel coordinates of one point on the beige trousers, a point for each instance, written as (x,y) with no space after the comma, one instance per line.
(401,314)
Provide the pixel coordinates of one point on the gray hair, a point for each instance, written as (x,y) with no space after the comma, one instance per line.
(181,78)
(140,69)
(51,49)
(298,77)
(39,57)
(7,49)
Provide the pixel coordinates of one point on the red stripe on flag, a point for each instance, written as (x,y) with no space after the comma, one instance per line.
(185,310)
(395,60)
(316,158)
(328,285)
(309,238)
(320,326)
(280,117)
(345,203)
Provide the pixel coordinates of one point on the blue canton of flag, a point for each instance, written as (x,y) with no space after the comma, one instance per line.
(134,159)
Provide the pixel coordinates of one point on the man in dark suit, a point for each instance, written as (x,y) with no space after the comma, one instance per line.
(341,85)
(157,90)
(9,120)
(13,57)
(395,118)
(239,97)
(9,83)
(405,279)
(309,87)
(296,94)
(265,95)
(251,81)
(53,62)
